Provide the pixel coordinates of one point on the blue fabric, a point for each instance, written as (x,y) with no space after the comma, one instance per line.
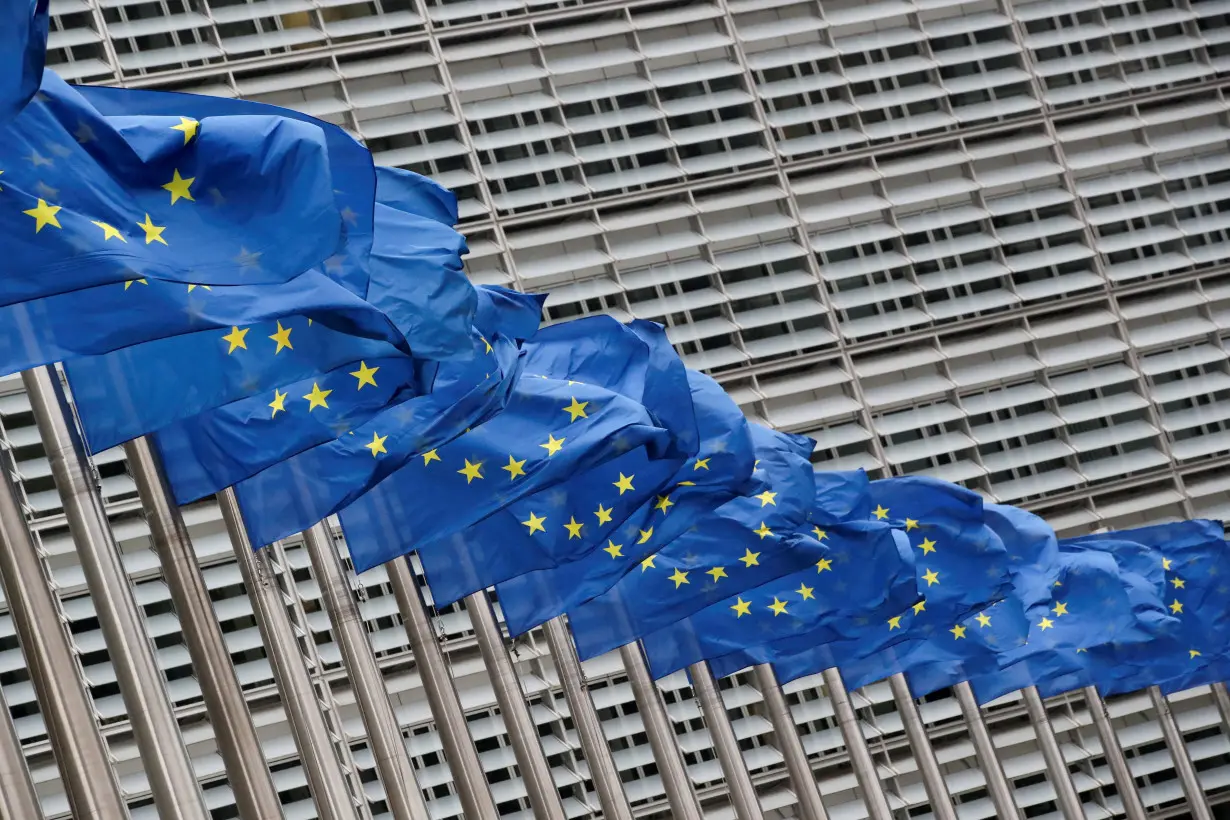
(23,47)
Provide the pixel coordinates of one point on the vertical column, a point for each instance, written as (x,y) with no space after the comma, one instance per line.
(171,777)
(18,799)
(1125,784)
(544,797)
(860,756)
(247,774)
(924,753)
(988,761)
(1197,803)
(802,779)
(325,777)
(666,755)
(401,789)
(1066,796)
(585,718)
(1221,696)
(738,781)
(85,767)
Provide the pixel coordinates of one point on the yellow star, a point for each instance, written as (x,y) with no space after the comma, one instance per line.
(282,337)
(645,535)
(429,457)
(1060,608)
(132,282)
(178,186)
(535,523)
(664,503)
(742,607)
(766,498)
(236,338)
(574,529)
(625,483)
(1045,624)
(931,577)
(1176,607)
(894,623)
(576,410)
(188,127)
(1192,653)
(207,287)
(317,397)
(679,577)
(153,233)
(958,632)
(604,514)
(377,445)
(553,444)
(1082,649)
(278,404)
(471,471)
(927,546)
(687,483)
(778,607)
(806,592)
(365,375)
(701,464)
(648,563)
(717,573)
(750,559)
(44,215)
(921,606)
(488,344)
(1166,564)
(880,512)
(824,565)
(764,530)
(984,620)
(109,232)
(910,524)
(514,467)
(1179,583)
(820,534)
(614,550)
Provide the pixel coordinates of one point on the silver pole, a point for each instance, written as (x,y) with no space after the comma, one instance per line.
(247,774)
(738,781)
(396,772)
(1221,696)
(1197,802)
(459,749)
(85,766)
(1125,784)
(177,795)
(18,799)
(988,761)
(860,756)
(924,752)
(802,779)
(1066,796)
(535,772)
(585,718)
(671,769)
(325,777)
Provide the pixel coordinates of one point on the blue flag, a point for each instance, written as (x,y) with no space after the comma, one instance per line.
(720,471)
(91,200)
(23,46)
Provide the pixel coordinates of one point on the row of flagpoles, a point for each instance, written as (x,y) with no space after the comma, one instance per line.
(94,792)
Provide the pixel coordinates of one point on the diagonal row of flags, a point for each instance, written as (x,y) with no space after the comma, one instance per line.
(242,284)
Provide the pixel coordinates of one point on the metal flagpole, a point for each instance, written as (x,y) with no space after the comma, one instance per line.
(535,772)
(585,718)
(666,755)
(1125,784)
(988,761)
(325,777)
(802,779)
(442,699)
(18,799)
(1197,803)
(1066,796)
(172,780)
(1221,696)
(924,752)
(860,756)
(401,789)
(738,781)
(80,751)
(247,774)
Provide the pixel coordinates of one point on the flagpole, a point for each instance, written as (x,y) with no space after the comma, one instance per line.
(594,744)
(1197,803)
(924,752)
(856,745)
(18,798)
(442,699)
(984,748)
(535,771)
(247,773)
(738,781)
(666,754)
(1221,696)
(1066,796)
(326,780)
(68,712)
(172,780)
(384,737)
(1125,784)
(802,779)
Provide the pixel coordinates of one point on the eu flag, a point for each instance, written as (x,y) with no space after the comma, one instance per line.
(90,200)
(23,46)
(719,472)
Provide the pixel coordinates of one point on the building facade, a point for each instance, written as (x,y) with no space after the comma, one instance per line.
(985,241)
